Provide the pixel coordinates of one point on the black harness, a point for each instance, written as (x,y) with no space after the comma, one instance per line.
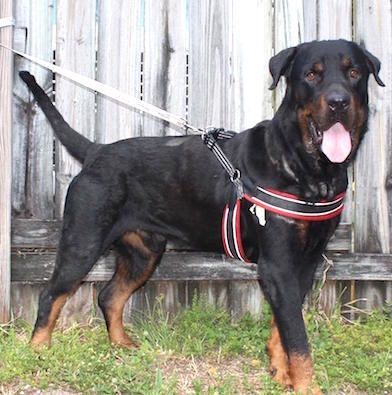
(262,199)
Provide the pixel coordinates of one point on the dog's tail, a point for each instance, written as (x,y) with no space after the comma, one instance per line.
(76,144)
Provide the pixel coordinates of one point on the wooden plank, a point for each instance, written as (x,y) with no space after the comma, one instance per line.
(198,266)
(164,65)
(335,19)
(289,31)
(75,50)
(216,293)
(170,296)
(79,307)
(24,297)
(33,233)
(251,100)
(119,66)
(373,195)
(5,160)
(295,22)
(310,20)
(334,22)
(246,296)
(20,115)
(209,67)
(328,297)
(372,166)
(371,295)
(32,180)
(28,233)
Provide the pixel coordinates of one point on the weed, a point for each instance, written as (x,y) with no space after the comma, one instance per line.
(200,351)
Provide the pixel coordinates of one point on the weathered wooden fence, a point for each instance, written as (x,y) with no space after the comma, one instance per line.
(205,60)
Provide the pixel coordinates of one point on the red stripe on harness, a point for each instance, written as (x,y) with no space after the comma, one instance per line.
(293,197)
(284,194)
(307,217)
(299,209)
(238,238)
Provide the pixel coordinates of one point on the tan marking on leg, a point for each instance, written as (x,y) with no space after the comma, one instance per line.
(303,229)
(135,240)
(124,289)
(114,316)
(302,375)
(318,67)
(43,335)
(279,366)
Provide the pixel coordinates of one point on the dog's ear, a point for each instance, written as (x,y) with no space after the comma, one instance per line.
(279,64)
(373,65)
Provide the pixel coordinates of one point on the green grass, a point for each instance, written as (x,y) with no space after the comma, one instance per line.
(200,351)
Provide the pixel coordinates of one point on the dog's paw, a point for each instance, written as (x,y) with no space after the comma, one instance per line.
(281,376)
(123,341)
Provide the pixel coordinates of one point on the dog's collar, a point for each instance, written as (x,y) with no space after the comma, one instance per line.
(276,202)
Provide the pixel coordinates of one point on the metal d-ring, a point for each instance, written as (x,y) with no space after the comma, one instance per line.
(236,176)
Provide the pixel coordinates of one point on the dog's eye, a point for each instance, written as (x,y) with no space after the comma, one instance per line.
(310,76)
(354,74)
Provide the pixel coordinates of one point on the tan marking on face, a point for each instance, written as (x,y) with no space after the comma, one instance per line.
(347,62)
(312,110)
(318,67)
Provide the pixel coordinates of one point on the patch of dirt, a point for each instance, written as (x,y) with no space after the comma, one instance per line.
(20,388)
(243,374)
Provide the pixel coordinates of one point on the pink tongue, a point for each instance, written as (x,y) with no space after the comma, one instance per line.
(336,143)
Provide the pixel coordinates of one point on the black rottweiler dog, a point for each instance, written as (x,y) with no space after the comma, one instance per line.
(138,193)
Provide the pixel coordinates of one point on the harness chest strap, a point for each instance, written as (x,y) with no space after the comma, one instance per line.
(276,202)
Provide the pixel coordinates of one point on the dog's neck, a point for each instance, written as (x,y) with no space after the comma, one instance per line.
(308,175)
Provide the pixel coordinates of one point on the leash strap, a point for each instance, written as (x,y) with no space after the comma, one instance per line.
(5,22)
(210,137)
(113,93)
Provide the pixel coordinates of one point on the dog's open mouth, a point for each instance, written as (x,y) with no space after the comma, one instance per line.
(335,142)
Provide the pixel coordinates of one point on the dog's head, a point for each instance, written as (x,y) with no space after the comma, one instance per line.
(327,88)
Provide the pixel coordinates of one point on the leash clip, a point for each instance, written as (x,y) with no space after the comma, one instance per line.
(235,178)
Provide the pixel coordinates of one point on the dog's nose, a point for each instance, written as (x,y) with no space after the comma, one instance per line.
(338,101)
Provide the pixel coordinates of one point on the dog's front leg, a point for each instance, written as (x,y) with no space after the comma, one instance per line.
(291,361)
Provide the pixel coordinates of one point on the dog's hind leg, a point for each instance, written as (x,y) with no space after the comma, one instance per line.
(72,265)
(140,252)
(87,220)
